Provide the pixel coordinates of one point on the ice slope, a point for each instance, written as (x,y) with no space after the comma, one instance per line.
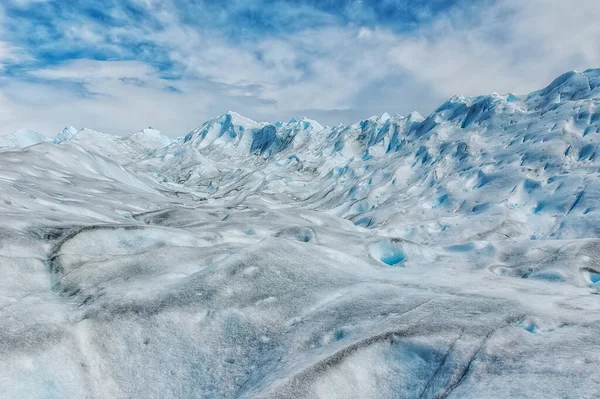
(149,138)
(529,159)
(126,148)
(447,256)
(22,138)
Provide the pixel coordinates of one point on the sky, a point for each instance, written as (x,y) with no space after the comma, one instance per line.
(118,66)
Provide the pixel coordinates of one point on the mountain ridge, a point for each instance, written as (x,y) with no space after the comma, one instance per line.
(570,86)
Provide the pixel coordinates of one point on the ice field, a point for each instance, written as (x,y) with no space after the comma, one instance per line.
(455,255)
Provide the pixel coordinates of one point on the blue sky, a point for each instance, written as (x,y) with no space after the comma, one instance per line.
(120,65)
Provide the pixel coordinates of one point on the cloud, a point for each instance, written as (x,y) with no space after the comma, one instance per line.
(512,46)
(8,53)
(119,97)
(173,64)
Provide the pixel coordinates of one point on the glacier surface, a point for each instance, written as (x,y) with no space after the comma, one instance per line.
(450,256)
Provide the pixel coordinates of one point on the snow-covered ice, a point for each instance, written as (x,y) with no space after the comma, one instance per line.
(450,256)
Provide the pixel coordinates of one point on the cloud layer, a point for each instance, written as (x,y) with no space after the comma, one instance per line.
(118,66)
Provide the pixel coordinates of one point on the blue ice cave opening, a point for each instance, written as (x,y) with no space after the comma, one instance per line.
(531,327)
(340,334)
(394,258)
(594,277)
(528,326)
(388,252)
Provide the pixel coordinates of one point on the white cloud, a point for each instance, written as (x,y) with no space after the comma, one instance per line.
(121,97)
(8,51)
(516,46)
(335,72)
(91,71)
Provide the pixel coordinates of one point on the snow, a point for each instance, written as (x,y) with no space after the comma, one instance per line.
(21,139)
(150,138)
(453,255)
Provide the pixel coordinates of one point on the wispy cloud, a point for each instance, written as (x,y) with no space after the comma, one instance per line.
(510,46)
(120,65)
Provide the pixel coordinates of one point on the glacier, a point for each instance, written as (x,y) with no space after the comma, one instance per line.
(454,255)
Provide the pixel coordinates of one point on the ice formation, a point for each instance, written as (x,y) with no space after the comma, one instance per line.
(450,256)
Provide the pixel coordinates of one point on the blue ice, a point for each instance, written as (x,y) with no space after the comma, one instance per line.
(390,253)
(466,247)
(594,277)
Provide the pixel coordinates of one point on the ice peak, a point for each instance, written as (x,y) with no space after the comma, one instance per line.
(415,117)
(148,130)
(22,138)
(571,86)
(150,138)
(66,134)
(236,119)
(311,123)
